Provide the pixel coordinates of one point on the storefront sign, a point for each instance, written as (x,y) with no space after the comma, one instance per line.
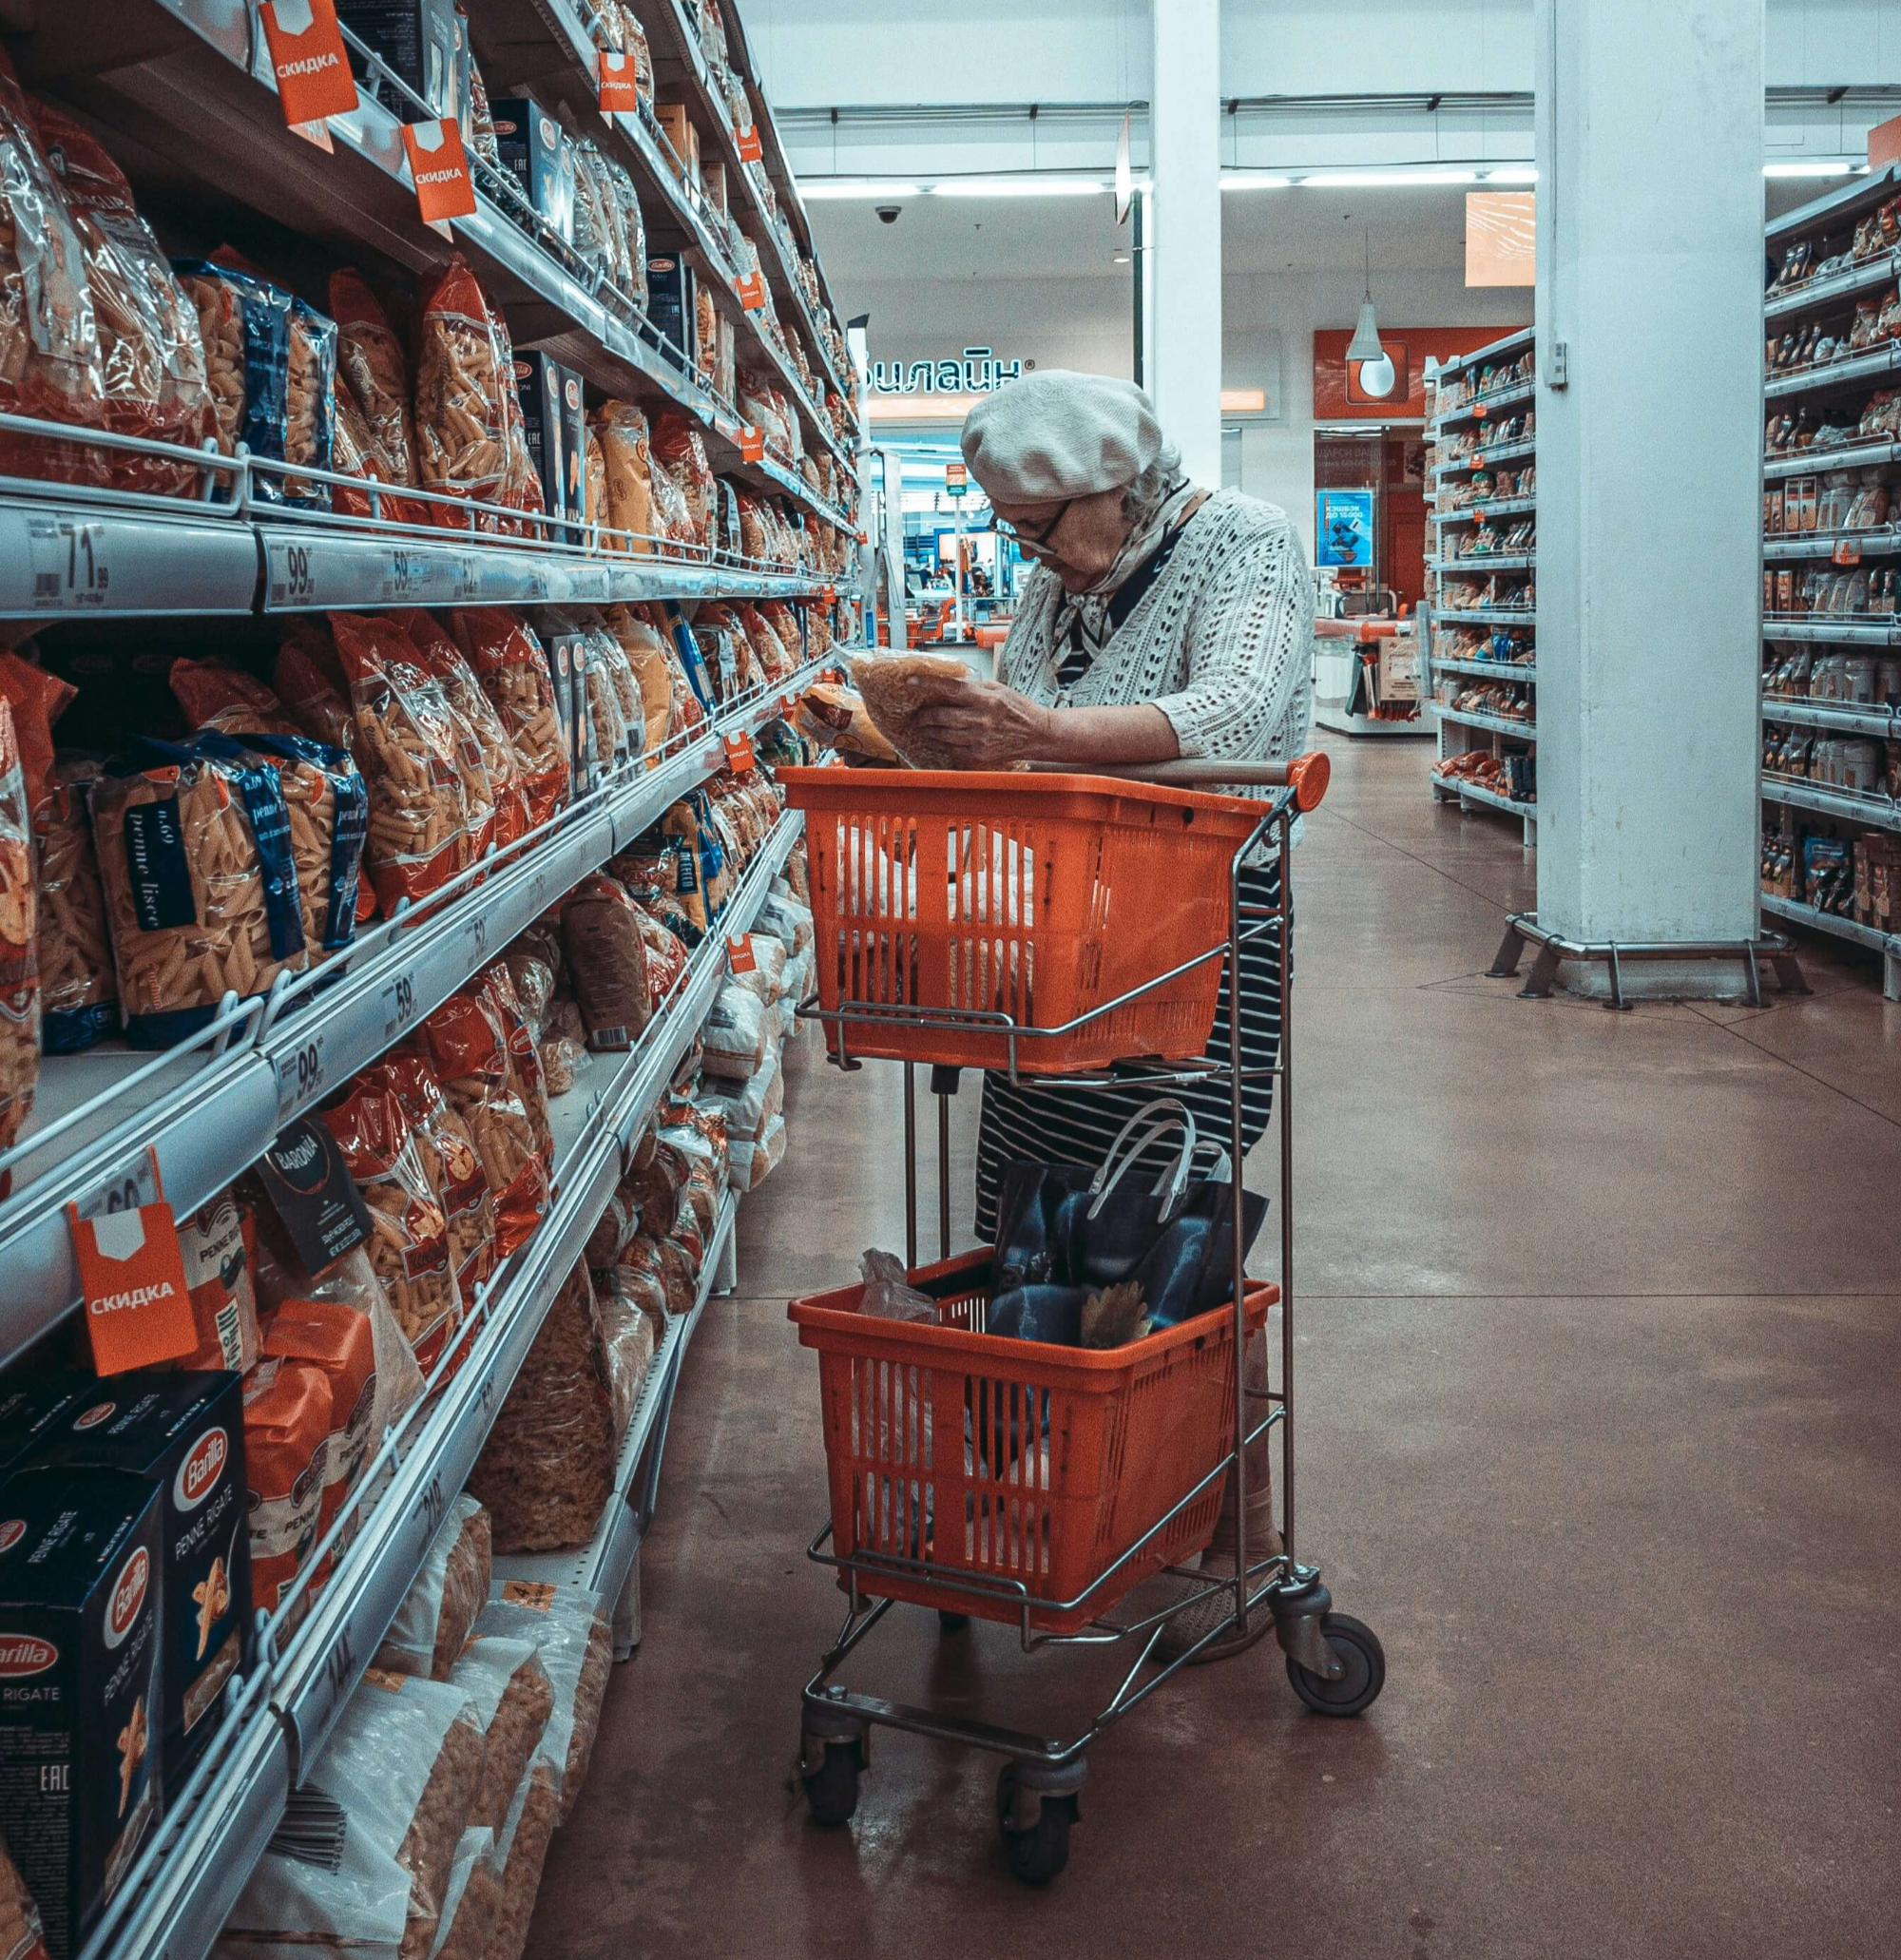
(980,372)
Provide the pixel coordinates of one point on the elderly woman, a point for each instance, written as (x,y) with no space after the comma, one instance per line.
(1161,619)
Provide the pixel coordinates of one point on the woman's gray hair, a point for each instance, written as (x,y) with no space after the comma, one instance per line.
(1146,495)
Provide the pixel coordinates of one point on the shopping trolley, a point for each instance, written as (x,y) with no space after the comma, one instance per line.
(1010,922)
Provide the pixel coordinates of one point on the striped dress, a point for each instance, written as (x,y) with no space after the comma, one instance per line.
(1221,640)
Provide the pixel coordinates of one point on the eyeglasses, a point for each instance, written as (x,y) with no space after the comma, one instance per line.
(1035,541)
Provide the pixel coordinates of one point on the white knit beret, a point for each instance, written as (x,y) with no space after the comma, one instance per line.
(1058,434)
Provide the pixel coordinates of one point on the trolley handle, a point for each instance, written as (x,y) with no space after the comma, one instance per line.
(1306,775)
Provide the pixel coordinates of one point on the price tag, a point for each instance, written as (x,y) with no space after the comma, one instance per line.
(475,939)
(788,704)
(751,444)
(317,133)
(620,86)
(131,1186)
(740,951)
(440,167)
(747,142)
(1846,552)
(408,572)
(399,1004)
(292,582)
(467,580)
(301,1074)
(71,571)
(829,594)
(739,751)
(1479,412)
(308,59)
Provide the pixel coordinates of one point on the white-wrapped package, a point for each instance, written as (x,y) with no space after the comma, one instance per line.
(405,1762)
(566,1626)
(473,1899)
(749,1107)
(767,975)
(432,1622)
(785,918)
(508,1688)
(753,1164)
(523,1851)
(736,1034)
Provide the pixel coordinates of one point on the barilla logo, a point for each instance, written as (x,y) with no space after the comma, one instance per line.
(504,127)
(134,1297)
(660,264)
(546,130)
(25,1653)
(11,1532)
(308,64)
(129,1595)
(523,371)
(95,1416)
(198,1474)
(571,392)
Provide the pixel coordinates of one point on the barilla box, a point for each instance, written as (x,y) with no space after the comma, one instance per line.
(565,649)
(671,306)
(28,1407)
(80,1660)
(556,430)
(421,40)
(184,1433)
(534,150)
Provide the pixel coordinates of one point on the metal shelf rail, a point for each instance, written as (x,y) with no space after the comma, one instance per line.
(187,1879)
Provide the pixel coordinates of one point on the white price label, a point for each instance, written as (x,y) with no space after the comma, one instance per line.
(468,577)
(71,571)
(301,1074)
(133,1184)
(399,1005)
(408,572)
(476,938)
(292,581)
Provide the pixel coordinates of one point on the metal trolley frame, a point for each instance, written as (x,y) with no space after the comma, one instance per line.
(1334,1662)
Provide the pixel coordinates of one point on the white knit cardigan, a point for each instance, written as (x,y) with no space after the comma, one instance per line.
(1223,642)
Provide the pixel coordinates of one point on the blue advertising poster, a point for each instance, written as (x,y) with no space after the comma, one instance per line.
(1343,527)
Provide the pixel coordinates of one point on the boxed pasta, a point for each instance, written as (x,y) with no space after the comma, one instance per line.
(421,40)
(534,150)
(671,310)
(555,431)
(183,1433)
(80,1656)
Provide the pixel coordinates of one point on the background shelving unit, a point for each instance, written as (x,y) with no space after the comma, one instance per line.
(185,89)
(1831,647)
(1481,573)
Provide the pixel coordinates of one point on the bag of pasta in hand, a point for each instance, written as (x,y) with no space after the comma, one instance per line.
(461,402)
(200,884)
(409,1241)
(469,1051)
(405,747)
(449,1152)
(443,660)
(510,664)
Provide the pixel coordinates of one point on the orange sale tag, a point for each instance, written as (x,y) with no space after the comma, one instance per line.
(739,752)
(620,86)
(440,167)
(131,1275)
(739,949)
(751,444)
(748,141)
(829,594)
(308,58)
(1848,552)
(751,292)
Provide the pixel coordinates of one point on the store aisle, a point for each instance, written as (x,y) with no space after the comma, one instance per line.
(1602,1435)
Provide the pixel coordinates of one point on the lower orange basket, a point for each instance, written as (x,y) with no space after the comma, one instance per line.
(999,1462)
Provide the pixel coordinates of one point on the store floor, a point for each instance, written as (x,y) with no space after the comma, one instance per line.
(1603,1426)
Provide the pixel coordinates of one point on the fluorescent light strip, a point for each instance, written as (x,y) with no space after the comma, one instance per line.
(842,187)
(1815,166)
(1051,186)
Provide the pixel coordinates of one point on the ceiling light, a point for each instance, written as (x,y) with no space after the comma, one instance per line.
(856,187)
(1119,259)
(1244,401)
(1254,179)
(1815,166)
(1365,345)
(1051,186)
(1375,179)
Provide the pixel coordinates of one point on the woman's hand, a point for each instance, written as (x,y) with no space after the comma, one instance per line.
(986,726)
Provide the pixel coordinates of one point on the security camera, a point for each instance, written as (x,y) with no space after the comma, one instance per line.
(890,214)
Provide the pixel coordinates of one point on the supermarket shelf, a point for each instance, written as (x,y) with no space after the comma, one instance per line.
(1875,542)
(1491,669)
(1836,209)
(1483,514)
(1513,343)
(1476,793)
(1844,631)
(1480,406)
(602,1563)
(1484,459)
(281,1056)
(1818,295)
(1498,724)
(1858,368)
(1881,812)
(1452,616)
(65,555)
(1818,920)
(1841,715)
(1479,561)
(1858,455)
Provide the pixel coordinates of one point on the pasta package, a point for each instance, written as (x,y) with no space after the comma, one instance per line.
(469,1052)
(594,504)
(497,987)
(513,670)
(286,1433)
(836,718)
(79,994)
(895,689)
(612,660)
(200,884)
(19,933)
(449,1156)
(678,444)
(433,1623)
(244,322)
(328,803)
(409,1236)
(510,1687)
(213,695)
(479,722)
(672,514)
(620,431)
(601,934)
(461,404)
(567,1628)
(646,656)
(310,385)
(151,358)
(339,1344)
(405,745)
(370,360)
(310,682)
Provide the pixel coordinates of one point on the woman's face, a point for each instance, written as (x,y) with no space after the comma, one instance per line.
(1078,538)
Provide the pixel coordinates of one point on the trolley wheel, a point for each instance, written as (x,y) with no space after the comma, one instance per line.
(1035,1852)
(832,1790)
(1360,1654)
(954,1623)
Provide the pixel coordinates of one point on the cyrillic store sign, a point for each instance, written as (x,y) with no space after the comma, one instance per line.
(980,372)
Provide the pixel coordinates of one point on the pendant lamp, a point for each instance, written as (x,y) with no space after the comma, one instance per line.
(1365,345)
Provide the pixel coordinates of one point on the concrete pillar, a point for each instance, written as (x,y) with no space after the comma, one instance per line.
(1650,296)
(1185,232)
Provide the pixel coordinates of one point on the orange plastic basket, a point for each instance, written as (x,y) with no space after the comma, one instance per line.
(996,1459)
(1037,896)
